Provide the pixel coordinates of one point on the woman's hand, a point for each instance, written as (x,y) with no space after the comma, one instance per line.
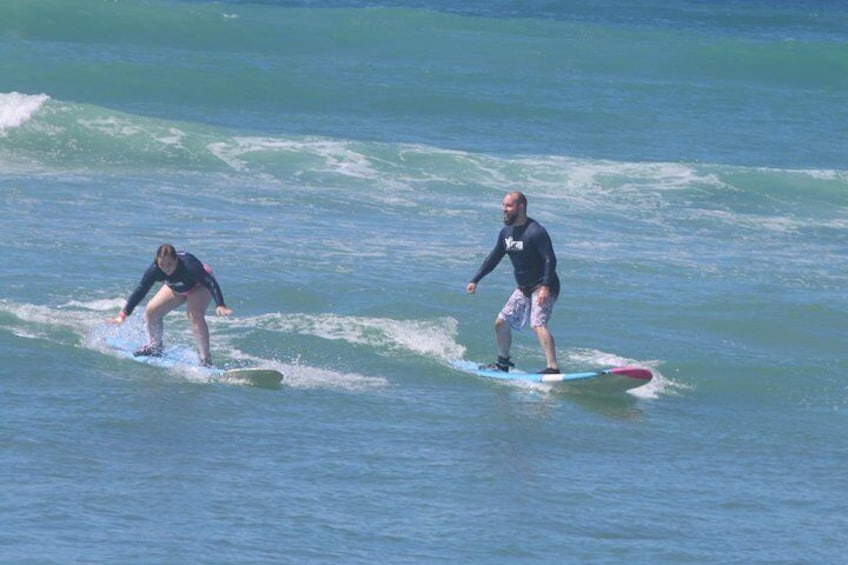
(117,320)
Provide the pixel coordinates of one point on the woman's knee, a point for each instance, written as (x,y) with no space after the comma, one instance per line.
(152,315)
(196,316)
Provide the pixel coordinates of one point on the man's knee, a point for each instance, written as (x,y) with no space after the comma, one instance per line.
(541,330)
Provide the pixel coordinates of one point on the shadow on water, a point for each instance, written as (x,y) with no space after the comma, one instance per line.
(613,405)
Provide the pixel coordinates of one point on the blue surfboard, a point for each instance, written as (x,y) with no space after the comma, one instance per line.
(185,360)
(614,379)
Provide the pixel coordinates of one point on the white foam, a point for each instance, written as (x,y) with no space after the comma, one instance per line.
(17,108)
(52,324)
(429,338)
(174,137)
(100,305)
(86,320)
(233,152)
(660,385)
(305,377)
(298,375)
(112,126)
(42,315)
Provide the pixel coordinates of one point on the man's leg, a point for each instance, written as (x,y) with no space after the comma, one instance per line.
(503,331)
(539,316)
(515,313)
(546,340)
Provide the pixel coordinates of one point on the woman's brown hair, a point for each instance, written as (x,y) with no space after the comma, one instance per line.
(166,250)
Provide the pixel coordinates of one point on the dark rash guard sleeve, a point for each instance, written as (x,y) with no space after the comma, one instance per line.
(151,276)
(492,261)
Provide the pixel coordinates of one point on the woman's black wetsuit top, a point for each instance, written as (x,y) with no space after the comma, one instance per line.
(189,273)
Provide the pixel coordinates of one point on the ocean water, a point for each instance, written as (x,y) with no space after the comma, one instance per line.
(341,166)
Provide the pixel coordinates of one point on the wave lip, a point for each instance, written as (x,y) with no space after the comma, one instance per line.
(17,108)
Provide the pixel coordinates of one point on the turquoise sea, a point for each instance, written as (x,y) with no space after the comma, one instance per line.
(341,166)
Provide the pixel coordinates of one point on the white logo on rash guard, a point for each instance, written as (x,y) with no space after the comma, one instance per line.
(513,245)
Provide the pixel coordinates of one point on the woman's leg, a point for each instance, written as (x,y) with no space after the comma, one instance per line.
(154,314)
(196,305)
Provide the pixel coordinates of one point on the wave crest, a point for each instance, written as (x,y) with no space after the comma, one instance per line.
(17,108)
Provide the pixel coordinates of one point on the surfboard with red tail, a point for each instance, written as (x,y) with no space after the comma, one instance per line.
(614,379)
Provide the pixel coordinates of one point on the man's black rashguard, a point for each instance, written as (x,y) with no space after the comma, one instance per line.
(532,254)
